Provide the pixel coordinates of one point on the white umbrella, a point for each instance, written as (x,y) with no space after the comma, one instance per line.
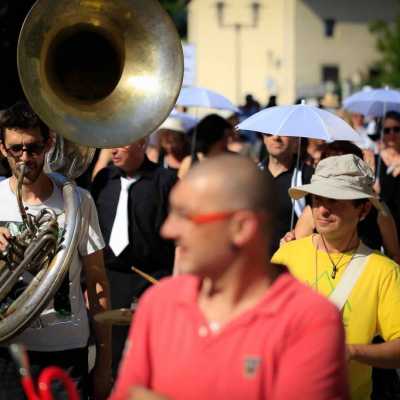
(373,102)
(188,121)
(299,120)
(192,96)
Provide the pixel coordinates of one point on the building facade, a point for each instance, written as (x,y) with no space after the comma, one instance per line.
(288,48)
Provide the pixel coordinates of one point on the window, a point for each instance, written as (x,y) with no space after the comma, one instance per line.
(330,73)
(374,74)
(329,27)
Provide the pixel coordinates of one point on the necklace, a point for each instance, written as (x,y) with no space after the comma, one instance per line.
(335,265)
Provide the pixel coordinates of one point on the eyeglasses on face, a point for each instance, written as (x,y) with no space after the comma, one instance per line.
(394,129)
(207,218)
(33,149)
(201,219)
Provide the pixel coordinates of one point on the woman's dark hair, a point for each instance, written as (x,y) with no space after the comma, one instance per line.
(209,131)
(21,116)
(360,202)
(393,115)
(339,148)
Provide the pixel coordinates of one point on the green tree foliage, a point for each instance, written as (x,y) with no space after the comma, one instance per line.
(178,11)
(388,45)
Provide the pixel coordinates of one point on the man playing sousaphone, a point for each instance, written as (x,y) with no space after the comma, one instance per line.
(60,335)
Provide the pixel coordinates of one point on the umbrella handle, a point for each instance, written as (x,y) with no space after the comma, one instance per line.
(193,152)
(51,374)
(296,171)
(379,164)
(29,388)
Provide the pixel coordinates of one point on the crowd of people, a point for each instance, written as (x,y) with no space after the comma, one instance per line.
(239,225)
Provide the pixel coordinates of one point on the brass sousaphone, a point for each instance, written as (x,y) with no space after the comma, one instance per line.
(100,73)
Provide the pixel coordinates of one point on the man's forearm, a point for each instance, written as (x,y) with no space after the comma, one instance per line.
(98,297)
(381,355)
(103,335)
(103,345)
(387,227)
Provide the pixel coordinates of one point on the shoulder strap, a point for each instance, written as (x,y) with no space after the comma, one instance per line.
(350,276)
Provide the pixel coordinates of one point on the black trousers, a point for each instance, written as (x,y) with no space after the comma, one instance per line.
(125,287)
(74,362)
(385,382)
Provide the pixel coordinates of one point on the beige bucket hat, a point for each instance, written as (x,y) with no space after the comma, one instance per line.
(345,177)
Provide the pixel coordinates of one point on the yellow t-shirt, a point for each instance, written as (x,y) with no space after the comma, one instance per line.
(373,307)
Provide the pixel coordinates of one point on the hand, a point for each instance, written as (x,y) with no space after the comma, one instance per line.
(377,187)
(369,158)
(5,235)
(350,352)
(101,383)
(141,393)
(289,236)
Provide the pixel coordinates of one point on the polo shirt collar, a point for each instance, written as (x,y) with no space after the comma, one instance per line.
(270,304)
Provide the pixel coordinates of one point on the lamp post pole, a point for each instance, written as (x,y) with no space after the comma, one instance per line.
(238,27)
(238,62)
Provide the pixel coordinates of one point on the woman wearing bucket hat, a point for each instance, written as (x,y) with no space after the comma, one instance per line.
(363,283)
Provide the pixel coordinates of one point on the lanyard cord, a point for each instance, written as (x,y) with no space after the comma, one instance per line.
(335,265)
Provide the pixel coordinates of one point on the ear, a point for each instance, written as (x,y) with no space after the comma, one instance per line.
(365,209)
(49,143)
(243,227)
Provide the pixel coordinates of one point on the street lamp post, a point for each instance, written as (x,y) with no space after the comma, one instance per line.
(238,27)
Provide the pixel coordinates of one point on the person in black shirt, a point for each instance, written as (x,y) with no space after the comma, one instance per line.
(147,205)
(389,176)
(281,165)
(209,138)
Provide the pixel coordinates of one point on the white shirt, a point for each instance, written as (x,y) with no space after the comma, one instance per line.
(52,331)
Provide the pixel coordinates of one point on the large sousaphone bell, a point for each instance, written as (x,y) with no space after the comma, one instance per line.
(101,73)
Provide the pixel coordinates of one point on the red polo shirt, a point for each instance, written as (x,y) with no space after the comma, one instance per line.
(289,346)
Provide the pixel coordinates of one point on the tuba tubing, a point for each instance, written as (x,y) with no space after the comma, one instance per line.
(101,73)
(40,291)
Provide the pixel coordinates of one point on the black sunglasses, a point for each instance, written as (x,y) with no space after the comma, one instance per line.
(33,149)
(394,129)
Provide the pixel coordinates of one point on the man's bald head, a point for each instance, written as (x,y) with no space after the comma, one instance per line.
(220,213)
(233,182)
